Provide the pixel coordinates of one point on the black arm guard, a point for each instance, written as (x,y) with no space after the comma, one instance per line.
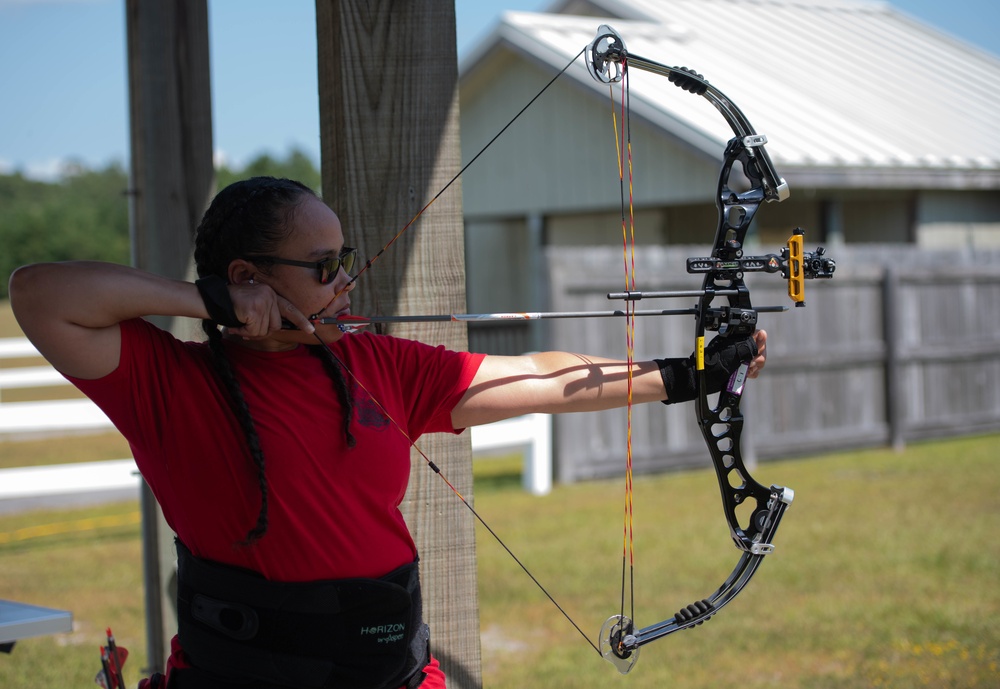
(218,303)
(722,358)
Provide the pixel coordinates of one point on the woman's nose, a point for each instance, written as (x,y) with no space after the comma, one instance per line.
(349,285)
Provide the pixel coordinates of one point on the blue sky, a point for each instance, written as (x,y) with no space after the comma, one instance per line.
(63,77)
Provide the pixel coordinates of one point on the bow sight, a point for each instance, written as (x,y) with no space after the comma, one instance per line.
(794,264)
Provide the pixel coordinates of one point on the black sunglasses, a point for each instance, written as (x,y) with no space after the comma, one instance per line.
(326,269)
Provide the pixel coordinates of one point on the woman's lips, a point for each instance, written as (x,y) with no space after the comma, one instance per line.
(346,311)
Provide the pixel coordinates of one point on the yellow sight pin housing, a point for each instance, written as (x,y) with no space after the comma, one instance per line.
(796,275)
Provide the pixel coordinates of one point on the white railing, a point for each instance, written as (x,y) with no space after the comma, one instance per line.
(530,434)
(16,348)
(69,479)
(32,419)
(30,377)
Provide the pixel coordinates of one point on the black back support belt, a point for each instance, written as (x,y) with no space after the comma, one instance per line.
(241,629)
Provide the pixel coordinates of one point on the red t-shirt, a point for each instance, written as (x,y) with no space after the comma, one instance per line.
(332,510)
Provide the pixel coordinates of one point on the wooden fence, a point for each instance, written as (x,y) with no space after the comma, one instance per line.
(900,345)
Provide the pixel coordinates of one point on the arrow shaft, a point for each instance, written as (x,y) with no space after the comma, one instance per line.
(495,317)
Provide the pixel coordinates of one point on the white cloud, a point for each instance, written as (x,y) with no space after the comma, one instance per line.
(45,170)
(220,158)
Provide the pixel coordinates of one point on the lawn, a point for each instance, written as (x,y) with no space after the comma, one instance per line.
(885,575)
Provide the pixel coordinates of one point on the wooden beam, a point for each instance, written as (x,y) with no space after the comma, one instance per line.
(170,104)
(388,77)
(171,179)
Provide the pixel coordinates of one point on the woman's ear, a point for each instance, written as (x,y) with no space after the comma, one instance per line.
(240,271)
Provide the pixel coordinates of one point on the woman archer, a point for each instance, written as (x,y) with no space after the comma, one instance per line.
(280,473)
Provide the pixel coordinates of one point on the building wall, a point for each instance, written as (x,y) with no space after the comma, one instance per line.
(497,265)
(956,219)
(560,155)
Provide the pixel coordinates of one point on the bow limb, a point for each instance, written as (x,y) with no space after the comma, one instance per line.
(624,653)
(606,58)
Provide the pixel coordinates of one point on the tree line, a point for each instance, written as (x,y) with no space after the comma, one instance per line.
(84,214)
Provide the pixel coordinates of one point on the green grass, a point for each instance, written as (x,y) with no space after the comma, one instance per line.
(86,561)
(885,576)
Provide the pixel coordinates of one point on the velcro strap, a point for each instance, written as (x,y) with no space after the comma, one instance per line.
(215,294)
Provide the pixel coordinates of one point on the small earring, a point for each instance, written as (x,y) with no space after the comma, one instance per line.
(251,281)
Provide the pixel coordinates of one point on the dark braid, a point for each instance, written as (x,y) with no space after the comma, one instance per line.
(336,373)
(242,411)
(249,218)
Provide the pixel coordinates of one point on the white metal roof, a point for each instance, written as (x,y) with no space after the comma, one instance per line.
(854,93)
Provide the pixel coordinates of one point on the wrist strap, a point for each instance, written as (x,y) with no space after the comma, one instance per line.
(722,357)
(215,293)
(678,379)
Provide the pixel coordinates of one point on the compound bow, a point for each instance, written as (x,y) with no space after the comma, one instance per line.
(722,424)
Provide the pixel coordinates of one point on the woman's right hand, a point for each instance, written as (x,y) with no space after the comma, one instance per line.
(262,311)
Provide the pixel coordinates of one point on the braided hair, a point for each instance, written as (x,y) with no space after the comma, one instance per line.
(253,217)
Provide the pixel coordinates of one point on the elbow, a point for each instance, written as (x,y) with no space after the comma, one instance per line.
(17,286)
(25,285)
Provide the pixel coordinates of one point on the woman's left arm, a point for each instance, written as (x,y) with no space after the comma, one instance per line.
(560,382)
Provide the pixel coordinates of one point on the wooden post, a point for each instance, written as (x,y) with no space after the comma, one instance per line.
(894,414)
(171,178)
(389,134)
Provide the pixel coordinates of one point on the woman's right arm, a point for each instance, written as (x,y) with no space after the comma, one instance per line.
(71,311)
